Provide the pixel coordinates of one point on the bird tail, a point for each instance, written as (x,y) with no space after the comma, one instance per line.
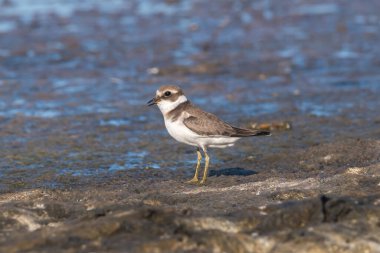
(240,132)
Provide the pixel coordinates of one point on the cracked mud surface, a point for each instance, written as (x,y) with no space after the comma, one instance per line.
(86,167)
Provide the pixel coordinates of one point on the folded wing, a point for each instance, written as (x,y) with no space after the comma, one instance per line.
(204,123)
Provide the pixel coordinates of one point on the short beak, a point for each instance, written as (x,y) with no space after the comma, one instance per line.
(153,101)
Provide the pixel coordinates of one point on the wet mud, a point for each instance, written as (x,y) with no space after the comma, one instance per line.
(86,167)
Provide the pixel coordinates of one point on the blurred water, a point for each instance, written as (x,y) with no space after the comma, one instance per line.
(317,9)
(77,90)
(28,9)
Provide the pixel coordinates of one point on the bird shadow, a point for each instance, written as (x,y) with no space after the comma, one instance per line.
(232,172)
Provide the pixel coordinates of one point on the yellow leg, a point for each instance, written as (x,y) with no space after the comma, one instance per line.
(195,178)
(207,159)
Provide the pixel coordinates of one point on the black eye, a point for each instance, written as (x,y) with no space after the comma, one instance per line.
(167,93)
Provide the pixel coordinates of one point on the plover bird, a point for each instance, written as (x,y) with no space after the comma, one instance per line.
(190,125)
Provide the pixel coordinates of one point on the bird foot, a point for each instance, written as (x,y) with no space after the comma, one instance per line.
(193,181)
(202,182)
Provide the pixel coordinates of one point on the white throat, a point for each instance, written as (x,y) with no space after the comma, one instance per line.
(167,106)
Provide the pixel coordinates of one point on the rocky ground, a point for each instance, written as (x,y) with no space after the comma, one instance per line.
(86,167)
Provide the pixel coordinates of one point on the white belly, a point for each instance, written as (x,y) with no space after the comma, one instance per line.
(183,134)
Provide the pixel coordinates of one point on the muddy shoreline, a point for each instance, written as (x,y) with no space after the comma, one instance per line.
(86,167)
